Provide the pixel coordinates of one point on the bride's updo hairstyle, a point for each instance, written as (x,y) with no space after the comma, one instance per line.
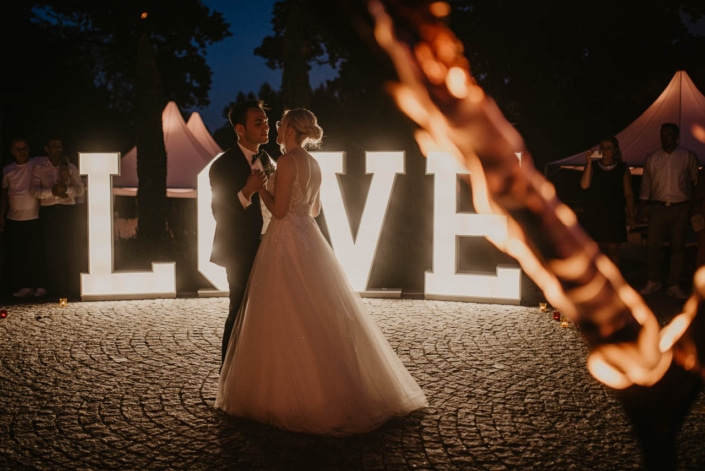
(305,124)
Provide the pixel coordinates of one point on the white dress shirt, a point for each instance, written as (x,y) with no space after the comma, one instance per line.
(17,178)
(45,175)
(669,178)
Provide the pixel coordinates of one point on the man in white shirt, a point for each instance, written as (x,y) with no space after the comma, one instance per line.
(57,183)
(667,187)
(19,220)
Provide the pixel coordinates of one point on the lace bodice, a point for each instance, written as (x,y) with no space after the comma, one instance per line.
(299,204)
(296,226)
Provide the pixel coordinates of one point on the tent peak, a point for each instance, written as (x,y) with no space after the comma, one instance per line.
(681,103)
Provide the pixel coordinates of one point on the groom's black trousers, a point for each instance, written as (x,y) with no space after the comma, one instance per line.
(238,275)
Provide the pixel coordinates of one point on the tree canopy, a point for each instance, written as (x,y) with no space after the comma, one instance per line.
(564,74)
(567,74)
(72,65)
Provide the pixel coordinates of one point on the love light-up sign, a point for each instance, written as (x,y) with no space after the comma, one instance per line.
(355,256)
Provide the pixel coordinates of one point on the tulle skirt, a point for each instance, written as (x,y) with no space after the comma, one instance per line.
(305,355)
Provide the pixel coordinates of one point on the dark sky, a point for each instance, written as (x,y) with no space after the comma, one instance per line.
(235,66)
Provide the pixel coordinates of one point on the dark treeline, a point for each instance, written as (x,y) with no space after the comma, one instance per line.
(72,66)
(563,74)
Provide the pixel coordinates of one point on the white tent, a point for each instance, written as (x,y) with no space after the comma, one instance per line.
(196,126)
(187,155)
(681,103)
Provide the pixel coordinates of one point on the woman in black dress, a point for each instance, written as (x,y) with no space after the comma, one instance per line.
(609,204)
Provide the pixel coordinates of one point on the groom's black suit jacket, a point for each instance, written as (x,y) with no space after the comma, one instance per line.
(237,229)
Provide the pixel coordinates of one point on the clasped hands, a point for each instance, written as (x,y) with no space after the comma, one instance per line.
(59,189)
(255,182)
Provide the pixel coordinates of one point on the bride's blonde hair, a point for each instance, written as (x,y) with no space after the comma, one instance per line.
(305,124)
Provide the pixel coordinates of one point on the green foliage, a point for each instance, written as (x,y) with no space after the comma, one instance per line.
(73,65)
(108,32)
(316,35)
(565,74)
(354,109)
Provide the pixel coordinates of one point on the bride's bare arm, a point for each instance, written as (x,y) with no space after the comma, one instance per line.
(278,203)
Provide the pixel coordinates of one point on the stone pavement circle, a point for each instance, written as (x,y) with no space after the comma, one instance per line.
(131,385)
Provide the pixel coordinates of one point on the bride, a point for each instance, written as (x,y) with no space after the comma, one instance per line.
(305,355)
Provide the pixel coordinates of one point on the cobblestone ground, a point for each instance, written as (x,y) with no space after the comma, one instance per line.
(131,385)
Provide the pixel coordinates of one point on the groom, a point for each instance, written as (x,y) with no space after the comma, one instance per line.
(235,178)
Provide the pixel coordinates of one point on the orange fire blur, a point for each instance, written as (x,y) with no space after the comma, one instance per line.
(437,91)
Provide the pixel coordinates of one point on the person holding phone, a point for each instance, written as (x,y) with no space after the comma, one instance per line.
(609,204)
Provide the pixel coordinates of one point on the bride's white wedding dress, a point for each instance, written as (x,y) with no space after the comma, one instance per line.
(305,355)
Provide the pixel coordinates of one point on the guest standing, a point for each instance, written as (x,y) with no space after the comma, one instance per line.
(19,220)
(57,183)
(609,206)
(667,188)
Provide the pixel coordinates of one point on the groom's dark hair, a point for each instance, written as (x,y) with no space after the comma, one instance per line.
(238,112)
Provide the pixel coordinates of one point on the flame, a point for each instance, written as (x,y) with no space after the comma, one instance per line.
(439,9)
(457,82)
(698,132)
(437,91)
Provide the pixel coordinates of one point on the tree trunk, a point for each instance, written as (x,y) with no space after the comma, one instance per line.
(296,88)
(152,206)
